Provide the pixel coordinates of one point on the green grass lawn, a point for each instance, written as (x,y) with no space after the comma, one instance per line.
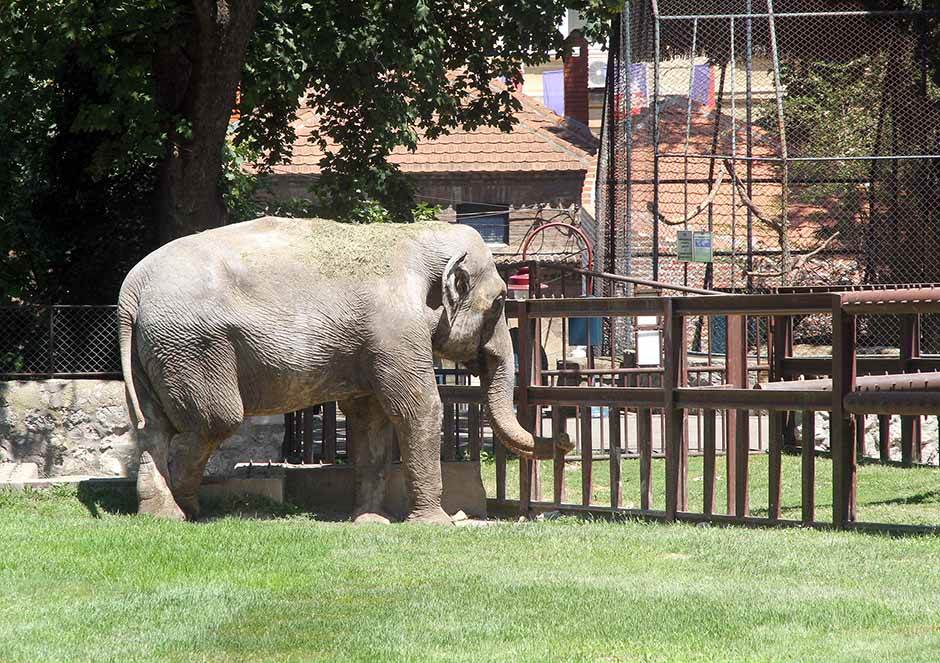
(885,494)
(80,583)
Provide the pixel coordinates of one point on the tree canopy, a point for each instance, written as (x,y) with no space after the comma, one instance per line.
(114,114)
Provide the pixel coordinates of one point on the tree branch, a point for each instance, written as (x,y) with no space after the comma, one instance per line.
(702,206)
(750,204)
(801,261)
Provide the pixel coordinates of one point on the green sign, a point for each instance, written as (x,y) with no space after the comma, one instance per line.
(701,247)
(684,245)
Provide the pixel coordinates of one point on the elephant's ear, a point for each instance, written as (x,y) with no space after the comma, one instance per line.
(455,284)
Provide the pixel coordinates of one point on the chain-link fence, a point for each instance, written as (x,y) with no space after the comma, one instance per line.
(58,341)
(801,137)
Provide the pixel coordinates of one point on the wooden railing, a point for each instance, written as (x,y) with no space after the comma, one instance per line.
(730,403)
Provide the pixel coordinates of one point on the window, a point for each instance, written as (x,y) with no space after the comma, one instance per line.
(490,221)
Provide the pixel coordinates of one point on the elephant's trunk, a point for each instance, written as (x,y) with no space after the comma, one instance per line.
(497,376)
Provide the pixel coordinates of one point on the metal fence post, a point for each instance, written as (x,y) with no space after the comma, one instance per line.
(52,340)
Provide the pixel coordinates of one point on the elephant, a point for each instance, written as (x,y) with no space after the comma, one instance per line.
(274,315)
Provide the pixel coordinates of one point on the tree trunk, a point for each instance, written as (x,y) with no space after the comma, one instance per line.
(197,69)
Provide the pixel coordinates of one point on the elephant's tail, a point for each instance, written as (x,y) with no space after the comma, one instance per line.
(126,315)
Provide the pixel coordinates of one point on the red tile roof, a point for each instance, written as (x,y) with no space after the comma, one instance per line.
(539,142)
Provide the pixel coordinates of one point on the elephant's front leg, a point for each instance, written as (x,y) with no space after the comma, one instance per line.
(369,436)
(419,434)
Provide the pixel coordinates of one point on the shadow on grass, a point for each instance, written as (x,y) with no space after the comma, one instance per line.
(931,496)
(99,498)
(121,499)
(251,507)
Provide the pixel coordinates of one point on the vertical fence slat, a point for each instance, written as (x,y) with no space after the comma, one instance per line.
(884,437)
(808,467)
(329,432)
(644,441)
(742,444)
(615,448)
(738,424)
(473,430)
(910,426)
(780,342)
(308,435)
(450,445)
(774,466)
(587,453)
(287,446)
(558,461)
(708,461)
(525,414)
(499,452)
(860,446)
(841,442)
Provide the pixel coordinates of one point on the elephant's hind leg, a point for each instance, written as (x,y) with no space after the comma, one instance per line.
(204,412)
(370,433)
(190,454)
(154,496)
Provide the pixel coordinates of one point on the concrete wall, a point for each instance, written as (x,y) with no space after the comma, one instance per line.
(80,427)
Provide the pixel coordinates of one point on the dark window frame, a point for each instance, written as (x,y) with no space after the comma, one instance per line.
(491,221)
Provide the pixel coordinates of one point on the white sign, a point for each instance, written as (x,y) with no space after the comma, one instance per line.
(647,347)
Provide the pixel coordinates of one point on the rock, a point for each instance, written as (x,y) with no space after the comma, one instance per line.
(460,515)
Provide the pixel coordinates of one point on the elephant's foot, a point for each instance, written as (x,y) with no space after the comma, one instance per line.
(435,516)
(153,493)
(190,505)
(367,517)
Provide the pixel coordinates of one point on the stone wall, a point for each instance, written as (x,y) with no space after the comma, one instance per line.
(80,427)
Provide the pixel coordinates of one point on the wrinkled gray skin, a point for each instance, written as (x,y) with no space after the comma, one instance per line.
(274,315)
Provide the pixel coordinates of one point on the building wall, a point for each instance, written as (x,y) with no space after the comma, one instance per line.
(81,427)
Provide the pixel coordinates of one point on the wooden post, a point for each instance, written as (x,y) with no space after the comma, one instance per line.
(708,461)
(808,467)
(673,345)
(910,425)
(738,424)
(841,424)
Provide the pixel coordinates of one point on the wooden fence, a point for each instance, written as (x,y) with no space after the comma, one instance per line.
(729,403)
